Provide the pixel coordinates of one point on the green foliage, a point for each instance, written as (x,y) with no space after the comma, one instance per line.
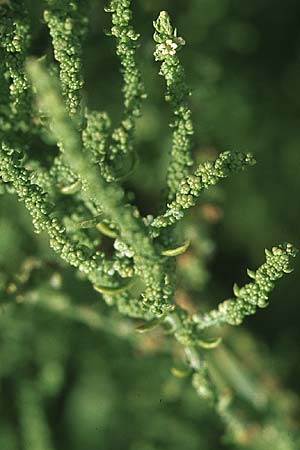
(78,177)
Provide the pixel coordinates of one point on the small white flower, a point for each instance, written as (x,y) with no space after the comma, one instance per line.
(168,48)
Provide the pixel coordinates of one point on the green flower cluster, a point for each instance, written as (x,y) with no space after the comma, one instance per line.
(206,175)
(41,211)
(252,295)
(14,42)
(167,46)
(133,88)
(95,136)
(67,24)
(109,197)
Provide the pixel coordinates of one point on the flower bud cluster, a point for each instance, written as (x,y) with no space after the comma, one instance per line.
(206,175)
(167,46)
(253,295)
(67,25)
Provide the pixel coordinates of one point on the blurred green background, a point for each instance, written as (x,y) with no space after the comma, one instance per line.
(90,383)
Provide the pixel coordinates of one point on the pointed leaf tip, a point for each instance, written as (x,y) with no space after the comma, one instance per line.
(251,274)
(180,373)
(236,290)
(177,250)
(147,326)
(210,343)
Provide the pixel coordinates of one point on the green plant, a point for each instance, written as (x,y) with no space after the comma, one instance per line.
(77,195)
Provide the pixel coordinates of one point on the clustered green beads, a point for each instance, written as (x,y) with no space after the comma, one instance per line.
(62,175)
(108,196)
(148,263)
(252,295)
(14,41)
(95,135)
(207,174)
(183,327)
(43,218)
(67,25)
(124,267)
(167,46)
(133,87)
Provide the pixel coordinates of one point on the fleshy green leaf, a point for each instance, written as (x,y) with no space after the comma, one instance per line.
(177,250)
(113,290)
(72,188)
(180,373)
(209,343)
